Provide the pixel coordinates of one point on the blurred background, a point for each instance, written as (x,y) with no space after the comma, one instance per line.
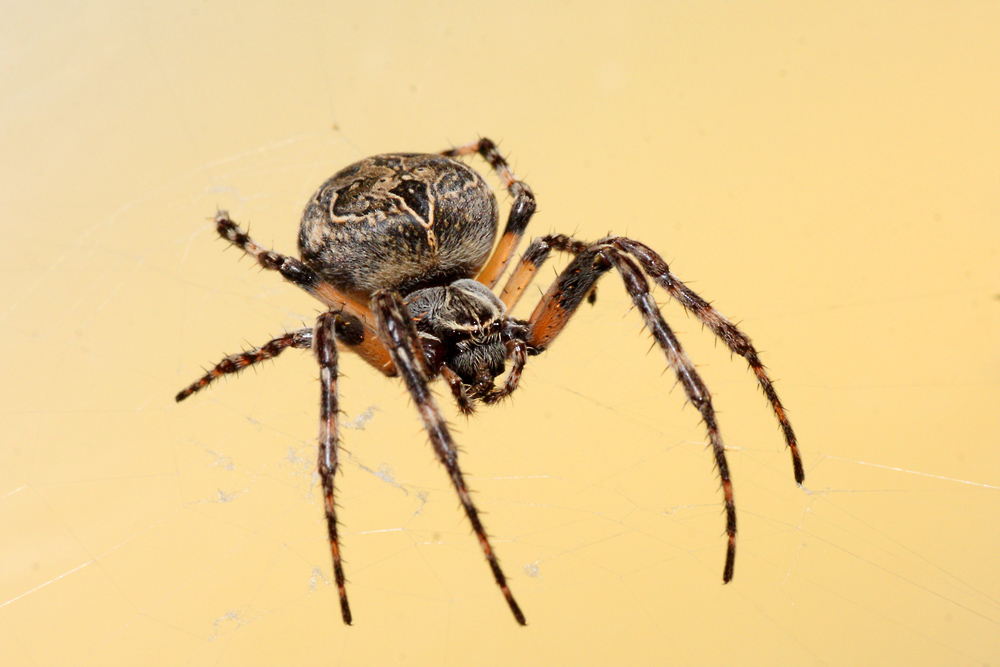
(826,175)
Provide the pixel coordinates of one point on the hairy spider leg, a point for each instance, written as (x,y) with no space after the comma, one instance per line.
(399,335)
(566,294)
(234,363)
(520,211)
(726,331)
(365,343)
(325,349)
(654,265)
(531,260)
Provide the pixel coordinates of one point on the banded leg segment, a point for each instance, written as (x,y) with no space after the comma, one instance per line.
(520,211)
(366,343)
(234,363)
(565,296)
(399,335)
(325,350)
(726,331)
(532,260)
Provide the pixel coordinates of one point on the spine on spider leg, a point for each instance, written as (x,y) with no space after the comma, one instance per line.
(235,363)
(695,389)
(400,336)
(737,341)
(536,254)
(565,295)
(295,271)
(290,268)
(521,210)
(325,349)
(708,416)
(533,258)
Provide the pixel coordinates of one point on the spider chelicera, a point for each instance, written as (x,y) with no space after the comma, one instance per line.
(397,247)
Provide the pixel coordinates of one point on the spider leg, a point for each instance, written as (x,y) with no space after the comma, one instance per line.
(736,340)
(564,297)
(520,211)
(531,260)
(399,335)
(366,343)
(325,349)
(234,363)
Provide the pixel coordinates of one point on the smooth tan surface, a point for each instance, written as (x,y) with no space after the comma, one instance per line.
(827,176)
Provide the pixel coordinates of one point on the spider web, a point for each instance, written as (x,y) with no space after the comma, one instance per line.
(193,533)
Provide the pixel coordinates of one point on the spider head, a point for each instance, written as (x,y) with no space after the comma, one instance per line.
(470,327)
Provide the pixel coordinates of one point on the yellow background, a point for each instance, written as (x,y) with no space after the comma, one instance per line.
(826,174)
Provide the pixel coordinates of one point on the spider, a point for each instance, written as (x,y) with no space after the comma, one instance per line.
(397,247)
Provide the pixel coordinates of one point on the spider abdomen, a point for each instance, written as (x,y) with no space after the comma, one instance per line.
(400,221)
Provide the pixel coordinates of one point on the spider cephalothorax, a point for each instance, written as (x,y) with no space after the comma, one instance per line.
(462,325)
(397,247)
